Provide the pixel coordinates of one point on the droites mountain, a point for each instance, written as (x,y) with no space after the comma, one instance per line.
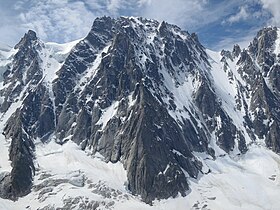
(139,113)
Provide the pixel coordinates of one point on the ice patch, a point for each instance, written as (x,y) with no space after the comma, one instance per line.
(108,114)
(277,44)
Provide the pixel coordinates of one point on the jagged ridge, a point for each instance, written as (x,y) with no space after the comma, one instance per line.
(144,93)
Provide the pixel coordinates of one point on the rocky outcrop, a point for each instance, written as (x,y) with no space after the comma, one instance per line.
(262,85)
(143,93)
(19,181)
(33,119)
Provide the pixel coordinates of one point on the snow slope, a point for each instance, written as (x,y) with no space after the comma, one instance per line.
(66,175)
(246,182)
(6,54)
(228,90)
(277,43)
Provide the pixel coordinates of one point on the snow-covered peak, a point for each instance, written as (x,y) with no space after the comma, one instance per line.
(145,103)
(277,44)
(62,49)
(6,51)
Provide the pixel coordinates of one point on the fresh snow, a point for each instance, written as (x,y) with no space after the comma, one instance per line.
(249,181)
(69,157)
(61,50)
(49,66)
(6,54)
(90,73)
(227,90)
(69,162)
(4,143)
(4,151)
(277,43)
(246,182)
(131,101)
(53,55)
(108,114)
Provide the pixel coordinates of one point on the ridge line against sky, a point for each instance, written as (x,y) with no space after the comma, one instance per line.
(218,23)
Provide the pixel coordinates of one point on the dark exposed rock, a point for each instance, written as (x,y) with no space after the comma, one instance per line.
(236,50)
(150,155)
(25,69)
(19,181)
(261,48)
(262,86)
(204,96)
(118,93)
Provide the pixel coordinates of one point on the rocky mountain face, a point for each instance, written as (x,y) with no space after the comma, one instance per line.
(145,94)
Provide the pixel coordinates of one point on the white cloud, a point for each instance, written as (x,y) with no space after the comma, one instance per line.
(236,37)
(227,43)
(114,6)
(273,6)
(181,12)
(241,15)
(65,20)
(57,19)
(248,11)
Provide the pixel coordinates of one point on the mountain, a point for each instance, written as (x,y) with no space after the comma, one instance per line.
(138,108)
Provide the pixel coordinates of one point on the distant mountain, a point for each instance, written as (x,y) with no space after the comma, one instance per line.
(137,99)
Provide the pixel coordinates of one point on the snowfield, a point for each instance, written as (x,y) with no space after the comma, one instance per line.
(67,177)
(249,181)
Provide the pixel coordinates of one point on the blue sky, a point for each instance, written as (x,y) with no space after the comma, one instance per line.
(218,23)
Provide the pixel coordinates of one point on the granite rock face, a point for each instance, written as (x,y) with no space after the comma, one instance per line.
(144,93)
(258,67)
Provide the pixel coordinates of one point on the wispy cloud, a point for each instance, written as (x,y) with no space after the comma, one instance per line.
(249,11)
(243,40)
(57,19)
(181,12)
(240,25)
(241,15)
(273,6)
(66,20)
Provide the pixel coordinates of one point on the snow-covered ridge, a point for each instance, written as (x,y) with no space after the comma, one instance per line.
(61,49)
(141,97)
(6,54)
(277,44)
(231,183)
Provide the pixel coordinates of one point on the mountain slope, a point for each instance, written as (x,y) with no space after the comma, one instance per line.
(141,93)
